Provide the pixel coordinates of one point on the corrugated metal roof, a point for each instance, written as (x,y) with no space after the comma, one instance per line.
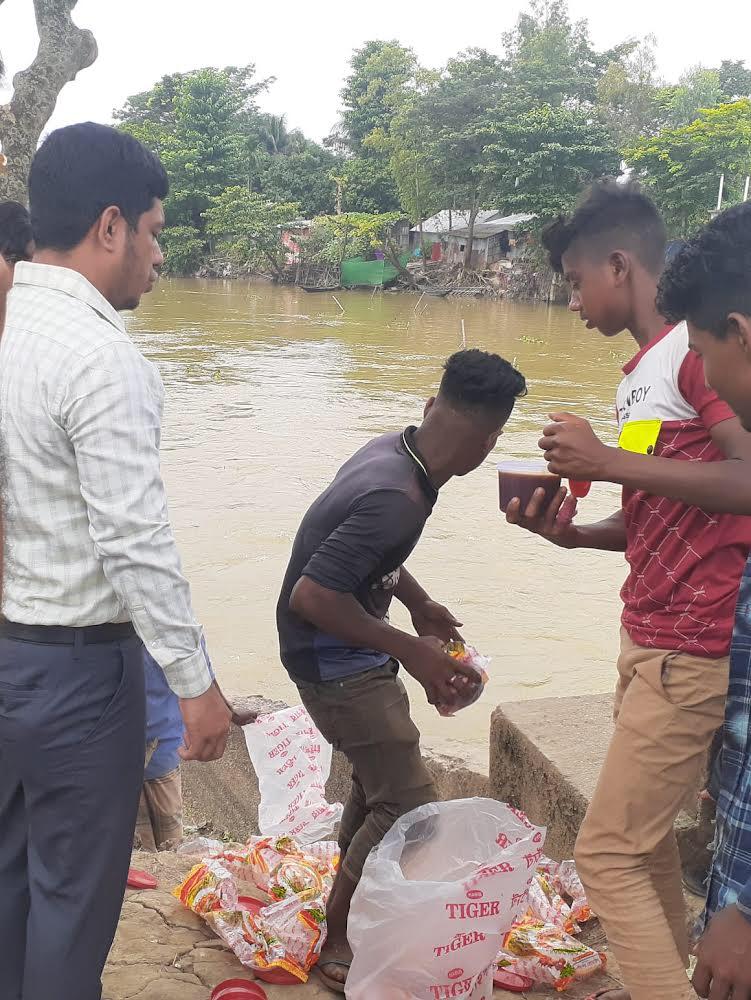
(440,223)
(484,230)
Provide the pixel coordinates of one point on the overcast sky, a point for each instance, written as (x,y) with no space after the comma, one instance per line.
(306,45)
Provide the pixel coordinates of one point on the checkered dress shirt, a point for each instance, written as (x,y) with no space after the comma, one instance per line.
(87,533)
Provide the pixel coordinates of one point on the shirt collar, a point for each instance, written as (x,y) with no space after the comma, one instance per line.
(70,282)
(408,441)
(630,365)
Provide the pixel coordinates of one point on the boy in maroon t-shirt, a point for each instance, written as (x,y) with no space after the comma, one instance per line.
(679,597)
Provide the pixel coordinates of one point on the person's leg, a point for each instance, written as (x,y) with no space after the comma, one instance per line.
(82,785)
(353,817)
(14,889)
(371,725)
(668,716)
(164,798)
(665,869)
(144,839)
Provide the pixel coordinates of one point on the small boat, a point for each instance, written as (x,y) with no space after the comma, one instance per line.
(320,288)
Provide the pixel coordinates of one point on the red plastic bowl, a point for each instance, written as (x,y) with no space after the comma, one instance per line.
(511,982)
(239,989)
(275,977)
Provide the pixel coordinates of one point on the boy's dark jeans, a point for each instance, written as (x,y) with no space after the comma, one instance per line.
(367,718)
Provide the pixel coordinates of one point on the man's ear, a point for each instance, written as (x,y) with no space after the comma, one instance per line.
(428,406)
(739,327)
(620,265)
(107,228)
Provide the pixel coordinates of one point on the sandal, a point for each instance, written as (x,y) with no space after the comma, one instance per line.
(333,984)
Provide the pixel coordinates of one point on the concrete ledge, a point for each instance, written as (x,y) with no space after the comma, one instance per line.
(225,794)
(545,757)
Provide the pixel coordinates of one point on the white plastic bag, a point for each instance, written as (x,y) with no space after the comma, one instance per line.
(435,899)
(292,761)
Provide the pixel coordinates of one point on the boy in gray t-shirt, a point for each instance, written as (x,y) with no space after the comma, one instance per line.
(335,638)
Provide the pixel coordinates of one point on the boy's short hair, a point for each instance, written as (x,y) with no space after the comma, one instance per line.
(710,276)
(611,216)
(476,380)
(15,231)
(81,170)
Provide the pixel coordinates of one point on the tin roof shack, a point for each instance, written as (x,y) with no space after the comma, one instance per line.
(492,241)
(436,229)
(292,234)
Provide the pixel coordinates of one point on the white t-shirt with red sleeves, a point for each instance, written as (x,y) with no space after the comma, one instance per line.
(685,564)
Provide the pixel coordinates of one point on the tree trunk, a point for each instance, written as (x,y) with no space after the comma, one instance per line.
(64,50)
(470,238)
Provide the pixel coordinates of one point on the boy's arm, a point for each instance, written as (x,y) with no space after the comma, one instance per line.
(343,616)
(428,617)
(572,449)
(324,594)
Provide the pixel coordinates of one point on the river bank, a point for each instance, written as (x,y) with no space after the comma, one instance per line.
(517,280)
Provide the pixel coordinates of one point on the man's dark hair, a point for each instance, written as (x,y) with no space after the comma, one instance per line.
(710,276)
(81,170)
(611,216)
(476,380)
(15,232)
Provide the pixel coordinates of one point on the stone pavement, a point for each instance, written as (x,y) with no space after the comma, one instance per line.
(164,952)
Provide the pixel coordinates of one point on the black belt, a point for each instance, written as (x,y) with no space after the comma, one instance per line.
(63,635)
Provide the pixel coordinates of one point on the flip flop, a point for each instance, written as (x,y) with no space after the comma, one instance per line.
(239,989)
(140,880)
(333,984)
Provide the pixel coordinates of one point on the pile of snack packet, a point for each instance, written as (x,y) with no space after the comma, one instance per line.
(540,948)
(289,932)
(468,655)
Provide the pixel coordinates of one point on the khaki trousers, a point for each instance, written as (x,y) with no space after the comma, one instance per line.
(367,718)
(667,708)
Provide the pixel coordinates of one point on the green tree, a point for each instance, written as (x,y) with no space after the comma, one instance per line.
(452,110)
(199,123)
(368,183)
(697,89)
(184,249)
(550,59)
(682,166)
(381,78)
(735,80)
(627,94)
(247,228)
(302,175)
(334,238)
(539,161)
(381,75)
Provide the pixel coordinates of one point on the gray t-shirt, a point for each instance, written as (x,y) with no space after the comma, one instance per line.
(354,540)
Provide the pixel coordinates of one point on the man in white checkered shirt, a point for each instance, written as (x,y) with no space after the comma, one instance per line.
(91,566)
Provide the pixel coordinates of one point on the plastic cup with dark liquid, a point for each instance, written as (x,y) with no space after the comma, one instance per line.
(521,477)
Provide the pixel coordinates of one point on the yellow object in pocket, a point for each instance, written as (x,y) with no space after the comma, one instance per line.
(640,436)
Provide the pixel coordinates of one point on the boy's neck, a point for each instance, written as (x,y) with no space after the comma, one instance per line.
(434,454)
(646,322)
